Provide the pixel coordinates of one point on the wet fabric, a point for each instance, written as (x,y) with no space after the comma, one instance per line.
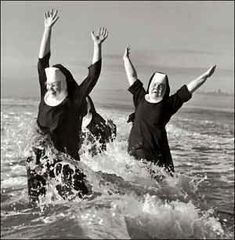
(63,122)
(99,131)
(45,165)
(148,136)
(57,138)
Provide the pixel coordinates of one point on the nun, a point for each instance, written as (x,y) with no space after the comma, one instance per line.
(153,110)
(96,130)
(60,116)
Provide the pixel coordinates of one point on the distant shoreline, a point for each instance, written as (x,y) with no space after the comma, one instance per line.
(215,93)
(131,108)
(117,105)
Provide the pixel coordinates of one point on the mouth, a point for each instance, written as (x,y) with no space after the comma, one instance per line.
(53,92)
(156,92)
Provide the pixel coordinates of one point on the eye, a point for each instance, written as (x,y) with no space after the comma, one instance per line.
(51,84)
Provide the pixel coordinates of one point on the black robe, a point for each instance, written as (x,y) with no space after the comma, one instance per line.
(59,129)
(148,136)
(100,130)
(63,122)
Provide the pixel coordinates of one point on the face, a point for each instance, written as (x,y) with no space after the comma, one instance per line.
(56,82)
(53,87)
(157,86)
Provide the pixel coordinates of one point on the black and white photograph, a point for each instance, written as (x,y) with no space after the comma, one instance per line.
(117,119)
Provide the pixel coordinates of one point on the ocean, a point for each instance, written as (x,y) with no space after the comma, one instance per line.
(197,203)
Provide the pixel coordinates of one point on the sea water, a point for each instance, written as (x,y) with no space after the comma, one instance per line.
(197,203)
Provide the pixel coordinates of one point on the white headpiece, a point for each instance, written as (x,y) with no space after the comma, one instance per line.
(159,77)
(54,74)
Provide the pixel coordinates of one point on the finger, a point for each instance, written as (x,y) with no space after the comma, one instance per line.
(55,20)
(212,69)
(127,51)
(56,12)
(93,34)
(100,31)
(103,31)
(106,32)
(55,15)
(51,12)
(46,14)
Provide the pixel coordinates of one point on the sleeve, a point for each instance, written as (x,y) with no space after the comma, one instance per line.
(42,64)
(131,117)
(176,100)
(138,91)
(89,82)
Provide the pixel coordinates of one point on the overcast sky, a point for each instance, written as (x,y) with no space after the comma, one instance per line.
(180,38)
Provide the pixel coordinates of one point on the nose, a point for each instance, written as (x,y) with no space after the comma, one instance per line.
(158,87)
(49,87)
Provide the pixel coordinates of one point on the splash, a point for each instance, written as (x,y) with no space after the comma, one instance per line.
(126,200)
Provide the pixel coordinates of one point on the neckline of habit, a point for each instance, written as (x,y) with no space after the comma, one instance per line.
(147,99)
(57,102)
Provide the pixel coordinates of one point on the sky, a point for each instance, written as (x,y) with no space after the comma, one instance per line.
(181,38)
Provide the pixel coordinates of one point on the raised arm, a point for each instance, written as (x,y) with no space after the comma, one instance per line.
(98,39)
(49,20)
(94,70)
(44,52)
(196,83)
(129,68)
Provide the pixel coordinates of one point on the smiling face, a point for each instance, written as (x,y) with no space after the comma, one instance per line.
(157,87)
(54,87)
(56,81)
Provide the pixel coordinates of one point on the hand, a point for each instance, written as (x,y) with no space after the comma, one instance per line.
(50,18)
(209,72)
(100,37)
(126,53)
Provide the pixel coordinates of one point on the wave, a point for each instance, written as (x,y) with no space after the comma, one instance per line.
(126,201)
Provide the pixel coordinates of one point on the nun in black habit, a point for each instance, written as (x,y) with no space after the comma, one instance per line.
(59,119)
(153,110)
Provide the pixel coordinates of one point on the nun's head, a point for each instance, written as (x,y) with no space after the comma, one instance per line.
(158,86)
(60,79)
(56,81)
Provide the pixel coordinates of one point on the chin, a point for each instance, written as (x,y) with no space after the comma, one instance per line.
(155,96)
(54,94)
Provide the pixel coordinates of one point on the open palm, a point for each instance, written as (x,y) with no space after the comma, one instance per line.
(50,18)
(100,36)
